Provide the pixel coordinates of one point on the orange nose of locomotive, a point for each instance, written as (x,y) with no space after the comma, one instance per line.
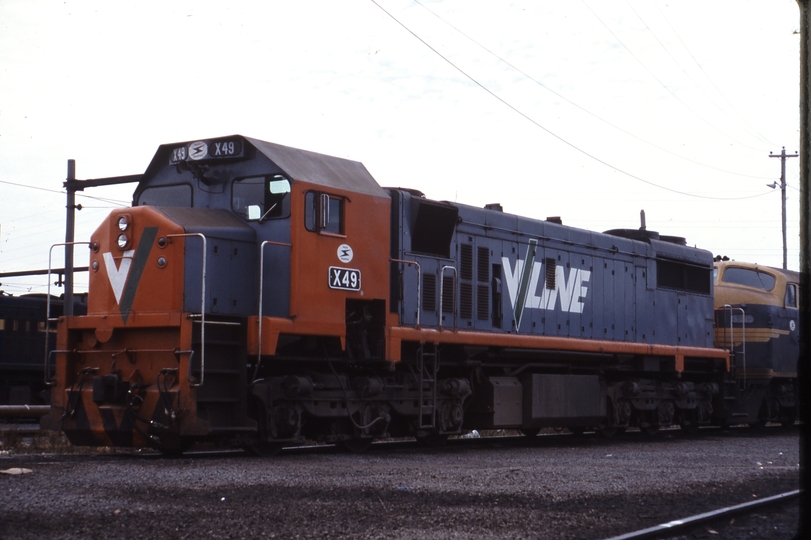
(118,369)
(136,265)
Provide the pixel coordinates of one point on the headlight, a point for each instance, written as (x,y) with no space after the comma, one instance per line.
(123,241)
(123,223)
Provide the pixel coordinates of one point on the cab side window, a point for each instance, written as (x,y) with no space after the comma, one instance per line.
(324,213)
(791,295)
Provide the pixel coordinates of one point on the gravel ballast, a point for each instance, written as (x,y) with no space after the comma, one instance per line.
(548,487)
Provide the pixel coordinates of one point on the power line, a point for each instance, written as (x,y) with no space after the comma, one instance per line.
(686,48)
(664,48)
(671,92)
(542,85)
(558,137)
(102,199)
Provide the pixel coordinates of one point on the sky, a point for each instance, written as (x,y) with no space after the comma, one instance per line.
(587,110)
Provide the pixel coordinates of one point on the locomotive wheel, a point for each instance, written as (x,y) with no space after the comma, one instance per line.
(533,432)
(651,430)
(787,419)
(607,432)
(356,445)
(761,417)
(689,428)
(176,451)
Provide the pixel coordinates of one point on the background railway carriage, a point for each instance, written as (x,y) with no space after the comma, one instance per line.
(257,295)
(22,344)
(758,319)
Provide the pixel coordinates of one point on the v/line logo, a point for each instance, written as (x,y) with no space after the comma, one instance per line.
(125,277)
(523,280)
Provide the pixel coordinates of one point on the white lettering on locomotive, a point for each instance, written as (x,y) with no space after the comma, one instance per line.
(524,279)
(118,275)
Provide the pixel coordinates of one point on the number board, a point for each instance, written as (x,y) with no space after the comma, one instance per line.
(347,279)
(200,150)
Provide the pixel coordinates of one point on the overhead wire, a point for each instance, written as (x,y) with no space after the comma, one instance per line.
(63,192)
(547,130)
(667,51)
(709,79)
(542,85)
(666,87)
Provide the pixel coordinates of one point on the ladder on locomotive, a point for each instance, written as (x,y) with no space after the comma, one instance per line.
(221,390)
(427,367)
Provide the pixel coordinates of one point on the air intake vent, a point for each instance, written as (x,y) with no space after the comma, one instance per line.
(483,303)
(465,300)
(550,273)
(429,292)
(448,298)
(483,264)
(466,262)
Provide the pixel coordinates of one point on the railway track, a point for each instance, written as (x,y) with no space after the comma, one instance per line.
(676,527)
(27,436)
(555,486)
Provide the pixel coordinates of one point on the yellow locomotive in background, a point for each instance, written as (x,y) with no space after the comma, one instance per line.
(757,317)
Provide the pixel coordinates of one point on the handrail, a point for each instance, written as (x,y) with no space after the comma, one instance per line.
(48,319)
(441,291)
(419,280)
(261,300)
(728,307)
(202,313)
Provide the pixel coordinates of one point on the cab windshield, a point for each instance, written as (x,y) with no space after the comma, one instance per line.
(259,198)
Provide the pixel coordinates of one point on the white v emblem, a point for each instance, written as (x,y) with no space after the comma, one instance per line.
(118,275)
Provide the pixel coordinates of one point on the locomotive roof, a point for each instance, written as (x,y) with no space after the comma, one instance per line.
(301,165)
(791,275)
(321,169)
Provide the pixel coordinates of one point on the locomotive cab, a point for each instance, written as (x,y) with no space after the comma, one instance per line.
(234,251)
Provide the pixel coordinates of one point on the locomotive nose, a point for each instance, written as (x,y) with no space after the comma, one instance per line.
(131,264)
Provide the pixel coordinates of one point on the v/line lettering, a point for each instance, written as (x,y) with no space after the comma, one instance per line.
(567,294)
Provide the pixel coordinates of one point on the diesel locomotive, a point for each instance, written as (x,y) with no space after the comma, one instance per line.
(758,320)
(257,295)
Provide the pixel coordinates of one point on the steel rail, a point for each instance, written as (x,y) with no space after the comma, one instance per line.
(674,526)
(24,411)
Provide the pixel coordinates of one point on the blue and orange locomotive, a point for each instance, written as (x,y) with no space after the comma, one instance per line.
(256,295)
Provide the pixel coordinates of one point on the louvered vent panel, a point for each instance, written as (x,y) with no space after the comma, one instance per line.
(466,263)
(550,274)
(448,297)
(466,300)
(483,302)
(484,264)
(429,292)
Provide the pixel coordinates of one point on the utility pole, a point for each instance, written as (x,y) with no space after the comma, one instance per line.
(782,155)
(72,185)
(70,225)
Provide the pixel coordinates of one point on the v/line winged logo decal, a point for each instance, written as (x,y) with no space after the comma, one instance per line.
(524,278)
(125,276)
